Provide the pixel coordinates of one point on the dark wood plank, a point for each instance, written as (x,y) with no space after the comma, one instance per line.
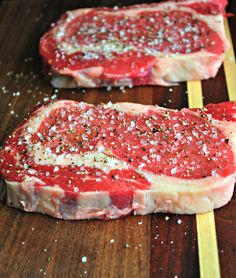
(215,89)
(174,246)
(33,244)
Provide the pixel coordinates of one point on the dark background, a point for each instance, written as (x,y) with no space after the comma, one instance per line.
(33,245)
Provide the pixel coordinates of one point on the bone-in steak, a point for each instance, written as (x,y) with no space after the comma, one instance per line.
(161,43)
(74,160)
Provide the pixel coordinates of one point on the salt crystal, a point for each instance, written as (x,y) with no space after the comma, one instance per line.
(30,129)
(84,259)
(56,169)
(173,171)
(54,96)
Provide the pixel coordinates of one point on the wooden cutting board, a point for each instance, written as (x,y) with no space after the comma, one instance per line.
(33,245)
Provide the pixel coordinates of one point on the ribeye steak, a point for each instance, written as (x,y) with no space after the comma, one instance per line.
(156,44)
(73,160)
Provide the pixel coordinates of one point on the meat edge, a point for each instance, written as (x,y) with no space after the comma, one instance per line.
(166,71)
(189,199)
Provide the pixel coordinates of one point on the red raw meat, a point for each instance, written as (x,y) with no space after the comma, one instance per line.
(74,160)
(150,44)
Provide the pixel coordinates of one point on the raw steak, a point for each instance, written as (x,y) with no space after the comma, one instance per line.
(158,44)
(74,160)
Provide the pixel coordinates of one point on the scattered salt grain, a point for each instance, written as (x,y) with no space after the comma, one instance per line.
(122,88)
(84,259)
(179,221)
(167,218)
(16,94)
(127,245)
(54,96)
(112,240)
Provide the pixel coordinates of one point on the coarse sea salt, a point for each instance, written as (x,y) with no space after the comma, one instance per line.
(84,259)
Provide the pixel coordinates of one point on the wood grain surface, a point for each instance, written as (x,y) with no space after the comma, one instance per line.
(33,245)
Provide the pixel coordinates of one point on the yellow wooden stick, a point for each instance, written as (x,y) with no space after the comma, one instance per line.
(230,66)
(194,89)
(207,245)
(206,231)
